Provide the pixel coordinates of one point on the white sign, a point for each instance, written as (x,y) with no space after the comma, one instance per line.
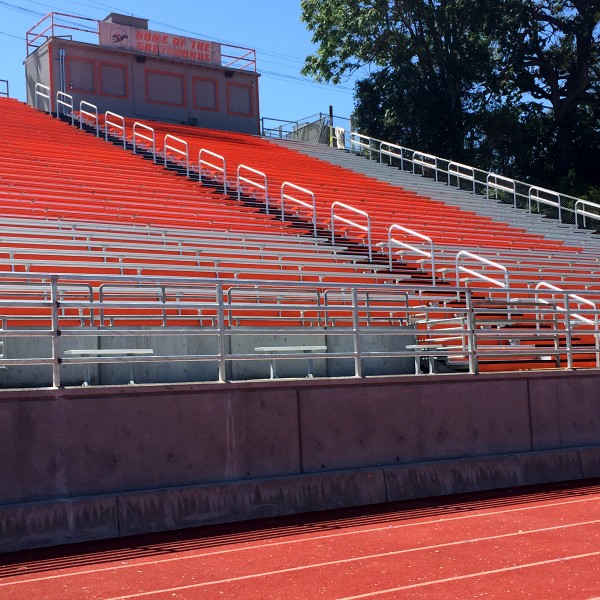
(166,45)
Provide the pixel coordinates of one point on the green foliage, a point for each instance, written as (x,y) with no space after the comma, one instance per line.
(512,85)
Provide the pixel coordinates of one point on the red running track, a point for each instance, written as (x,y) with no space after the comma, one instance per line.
(529,544)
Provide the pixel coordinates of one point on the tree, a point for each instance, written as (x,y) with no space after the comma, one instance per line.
(550,54)
(454,77)
(425,60)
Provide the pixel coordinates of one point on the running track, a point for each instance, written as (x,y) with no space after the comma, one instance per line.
(542,544)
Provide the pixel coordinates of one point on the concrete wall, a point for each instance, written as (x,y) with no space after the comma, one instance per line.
(44,66)
(99,462)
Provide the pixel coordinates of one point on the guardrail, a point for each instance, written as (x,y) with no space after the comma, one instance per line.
(312,206)
(262,185)
(4,92)
(138,135)
(498,183)
(64,104)
(569,299)
(415,249)
(479,275)
(461,173)
(366,228)
(91,115)
(115,121)
(42,91)
(219,168)
(580,206)
(407,323)
(184,153)
(553,204)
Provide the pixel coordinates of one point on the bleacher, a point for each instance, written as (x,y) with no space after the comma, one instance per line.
(482,248)
(247,239)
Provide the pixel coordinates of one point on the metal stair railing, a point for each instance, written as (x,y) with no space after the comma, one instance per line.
(262,185)
(93,116)
(114,121)
(64,103)
(580,209)
(366,228)
(460,268)
(137,134)
(312,205)
(185,153)
(202,162)
(419,251)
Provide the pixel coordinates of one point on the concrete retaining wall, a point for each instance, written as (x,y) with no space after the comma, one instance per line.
(98,462)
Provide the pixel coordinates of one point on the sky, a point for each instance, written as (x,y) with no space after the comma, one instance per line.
(272,27)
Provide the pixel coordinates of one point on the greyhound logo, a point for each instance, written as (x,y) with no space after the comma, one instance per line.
(119,38)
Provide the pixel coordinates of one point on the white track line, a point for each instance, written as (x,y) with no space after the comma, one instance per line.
(134,565)
(366,557)
(472,575)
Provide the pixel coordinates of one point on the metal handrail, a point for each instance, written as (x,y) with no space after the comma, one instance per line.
(136,134)
(479,275)
(119,125)
(176,150)
(222,168)
(6,93)
(356,142)
(580,211)
(430,255)
(92,115)
(426,161)
(65,101)
(43,91)
(540,195)
(264,186)
(481,179)
(362,213)
(568,314)
(460,171)
(388,149)
(500,183)
(312,205)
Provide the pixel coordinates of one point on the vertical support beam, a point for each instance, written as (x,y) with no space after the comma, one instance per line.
(356,334)
(471,337)
(55,332)
(221,330)
(568,333)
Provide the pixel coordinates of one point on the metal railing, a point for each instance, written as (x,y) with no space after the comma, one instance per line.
(182,151)
(42,91)
(366,228)
(544,196)
(114,121)
(461,173)
(219,168)
(505,189)
(581,208)
(133,320)
(479,275)
(571,301)
(312,205)
(4,88)
(411,247)
(93,116)
(262,185)
(63,25)
(64,105)
(139,135)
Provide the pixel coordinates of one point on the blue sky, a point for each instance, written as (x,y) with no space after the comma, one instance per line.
(272,27)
